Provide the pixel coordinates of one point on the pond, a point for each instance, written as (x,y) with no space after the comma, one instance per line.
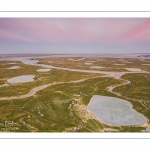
(115,111)
(21,79)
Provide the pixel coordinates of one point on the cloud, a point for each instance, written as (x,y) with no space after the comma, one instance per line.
(140,31)
(105,32)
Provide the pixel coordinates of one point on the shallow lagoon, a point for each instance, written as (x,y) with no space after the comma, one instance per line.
(115,111)
(25,78)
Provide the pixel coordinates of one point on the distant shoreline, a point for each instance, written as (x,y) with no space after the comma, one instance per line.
(113,55)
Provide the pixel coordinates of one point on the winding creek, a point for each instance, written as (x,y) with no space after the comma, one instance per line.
(116,75)
(31,93)
(29,127)
(78,121)
(35,90)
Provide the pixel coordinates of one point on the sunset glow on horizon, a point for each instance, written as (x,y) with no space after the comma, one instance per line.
(74,35)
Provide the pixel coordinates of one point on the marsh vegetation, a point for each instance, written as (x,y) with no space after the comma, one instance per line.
(61,106)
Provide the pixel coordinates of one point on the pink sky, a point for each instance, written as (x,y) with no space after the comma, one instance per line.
(98,33)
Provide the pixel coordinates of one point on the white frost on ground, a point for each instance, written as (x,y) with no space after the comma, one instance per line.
(4,85)
(96,67)
(50,61)
(43,70)
(119,64)
(125,61)
(146,64)
(76,59)
(14,67)
(12,63)
(133,69)
(87,63)
(81,59)
(128,62)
